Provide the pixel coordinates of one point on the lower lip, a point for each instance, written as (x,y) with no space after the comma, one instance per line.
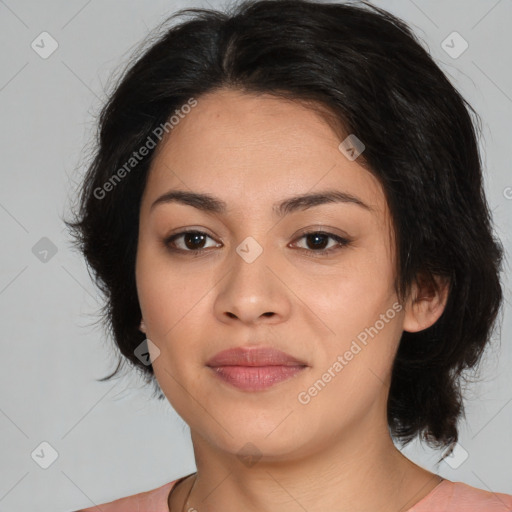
(255,378)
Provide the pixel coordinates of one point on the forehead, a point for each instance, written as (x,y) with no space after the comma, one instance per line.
(253,150)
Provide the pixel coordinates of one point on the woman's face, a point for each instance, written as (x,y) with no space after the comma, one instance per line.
(258,281)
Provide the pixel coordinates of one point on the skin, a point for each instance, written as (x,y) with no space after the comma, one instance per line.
(335,452)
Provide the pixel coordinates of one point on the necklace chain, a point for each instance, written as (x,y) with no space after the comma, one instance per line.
(185,503)
(188,494)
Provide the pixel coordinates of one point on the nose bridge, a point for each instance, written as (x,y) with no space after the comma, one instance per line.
(251,289)
(249,265)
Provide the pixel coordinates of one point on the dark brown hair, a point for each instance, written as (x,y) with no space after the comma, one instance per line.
(369,71)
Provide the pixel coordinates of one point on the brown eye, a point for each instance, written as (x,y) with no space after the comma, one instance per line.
(318,242)
(187,241)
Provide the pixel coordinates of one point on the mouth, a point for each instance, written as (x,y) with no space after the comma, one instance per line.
(255,369)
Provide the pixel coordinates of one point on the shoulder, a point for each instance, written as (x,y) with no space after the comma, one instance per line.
(154,500)
(460,497)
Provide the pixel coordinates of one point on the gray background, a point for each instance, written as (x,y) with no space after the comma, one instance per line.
(110,439)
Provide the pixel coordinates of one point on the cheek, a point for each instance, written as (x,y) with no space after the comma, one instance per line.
(353,374)
(359,305)
(171,304)
(167,292)
(352,295)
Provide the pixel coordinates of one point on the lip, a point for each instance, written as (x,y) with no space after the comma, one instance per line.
(257,356)
(254,369)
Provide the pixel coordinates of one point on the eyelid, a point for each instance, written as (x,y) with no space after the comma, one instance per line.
(342,241)
(173,236)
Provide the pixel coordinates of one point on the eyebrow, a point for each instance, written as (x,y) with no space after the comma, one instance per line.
(212,204)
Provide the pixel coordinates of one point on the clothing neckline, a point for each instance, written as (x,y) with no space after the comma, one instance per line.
(429,495)
(411,509)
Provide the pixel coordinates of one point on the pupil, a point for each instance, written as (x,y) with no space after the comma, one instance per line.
(191,236)
(316,237)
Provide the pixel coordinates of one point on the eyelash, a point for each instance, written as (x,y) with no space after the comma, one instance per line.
(342,242)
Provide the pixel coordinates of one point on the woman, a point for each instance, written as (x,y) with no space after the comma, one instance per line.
(287,217)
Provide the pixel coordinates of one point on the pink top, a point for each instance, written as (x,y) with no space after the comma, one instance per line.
(447,496)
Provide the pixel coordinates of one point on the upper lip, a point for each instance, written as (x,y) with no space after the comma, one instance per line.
(256,356)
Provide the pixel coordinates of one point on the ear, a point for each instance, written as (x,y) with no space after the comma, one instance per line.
(142,327)
(426,303)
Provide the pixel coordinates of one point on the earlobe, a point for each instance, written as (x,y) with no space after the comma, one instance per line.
(142,326)
(426,303)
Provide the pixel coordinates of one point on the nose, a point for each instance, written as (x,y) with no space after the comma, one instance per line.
(252,292)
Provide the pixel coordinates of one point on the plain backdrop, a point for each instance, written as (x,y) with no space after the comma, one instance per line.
(109,439)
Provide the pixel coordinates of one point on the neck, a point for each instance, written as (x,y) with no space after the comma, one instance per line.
(359,469)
